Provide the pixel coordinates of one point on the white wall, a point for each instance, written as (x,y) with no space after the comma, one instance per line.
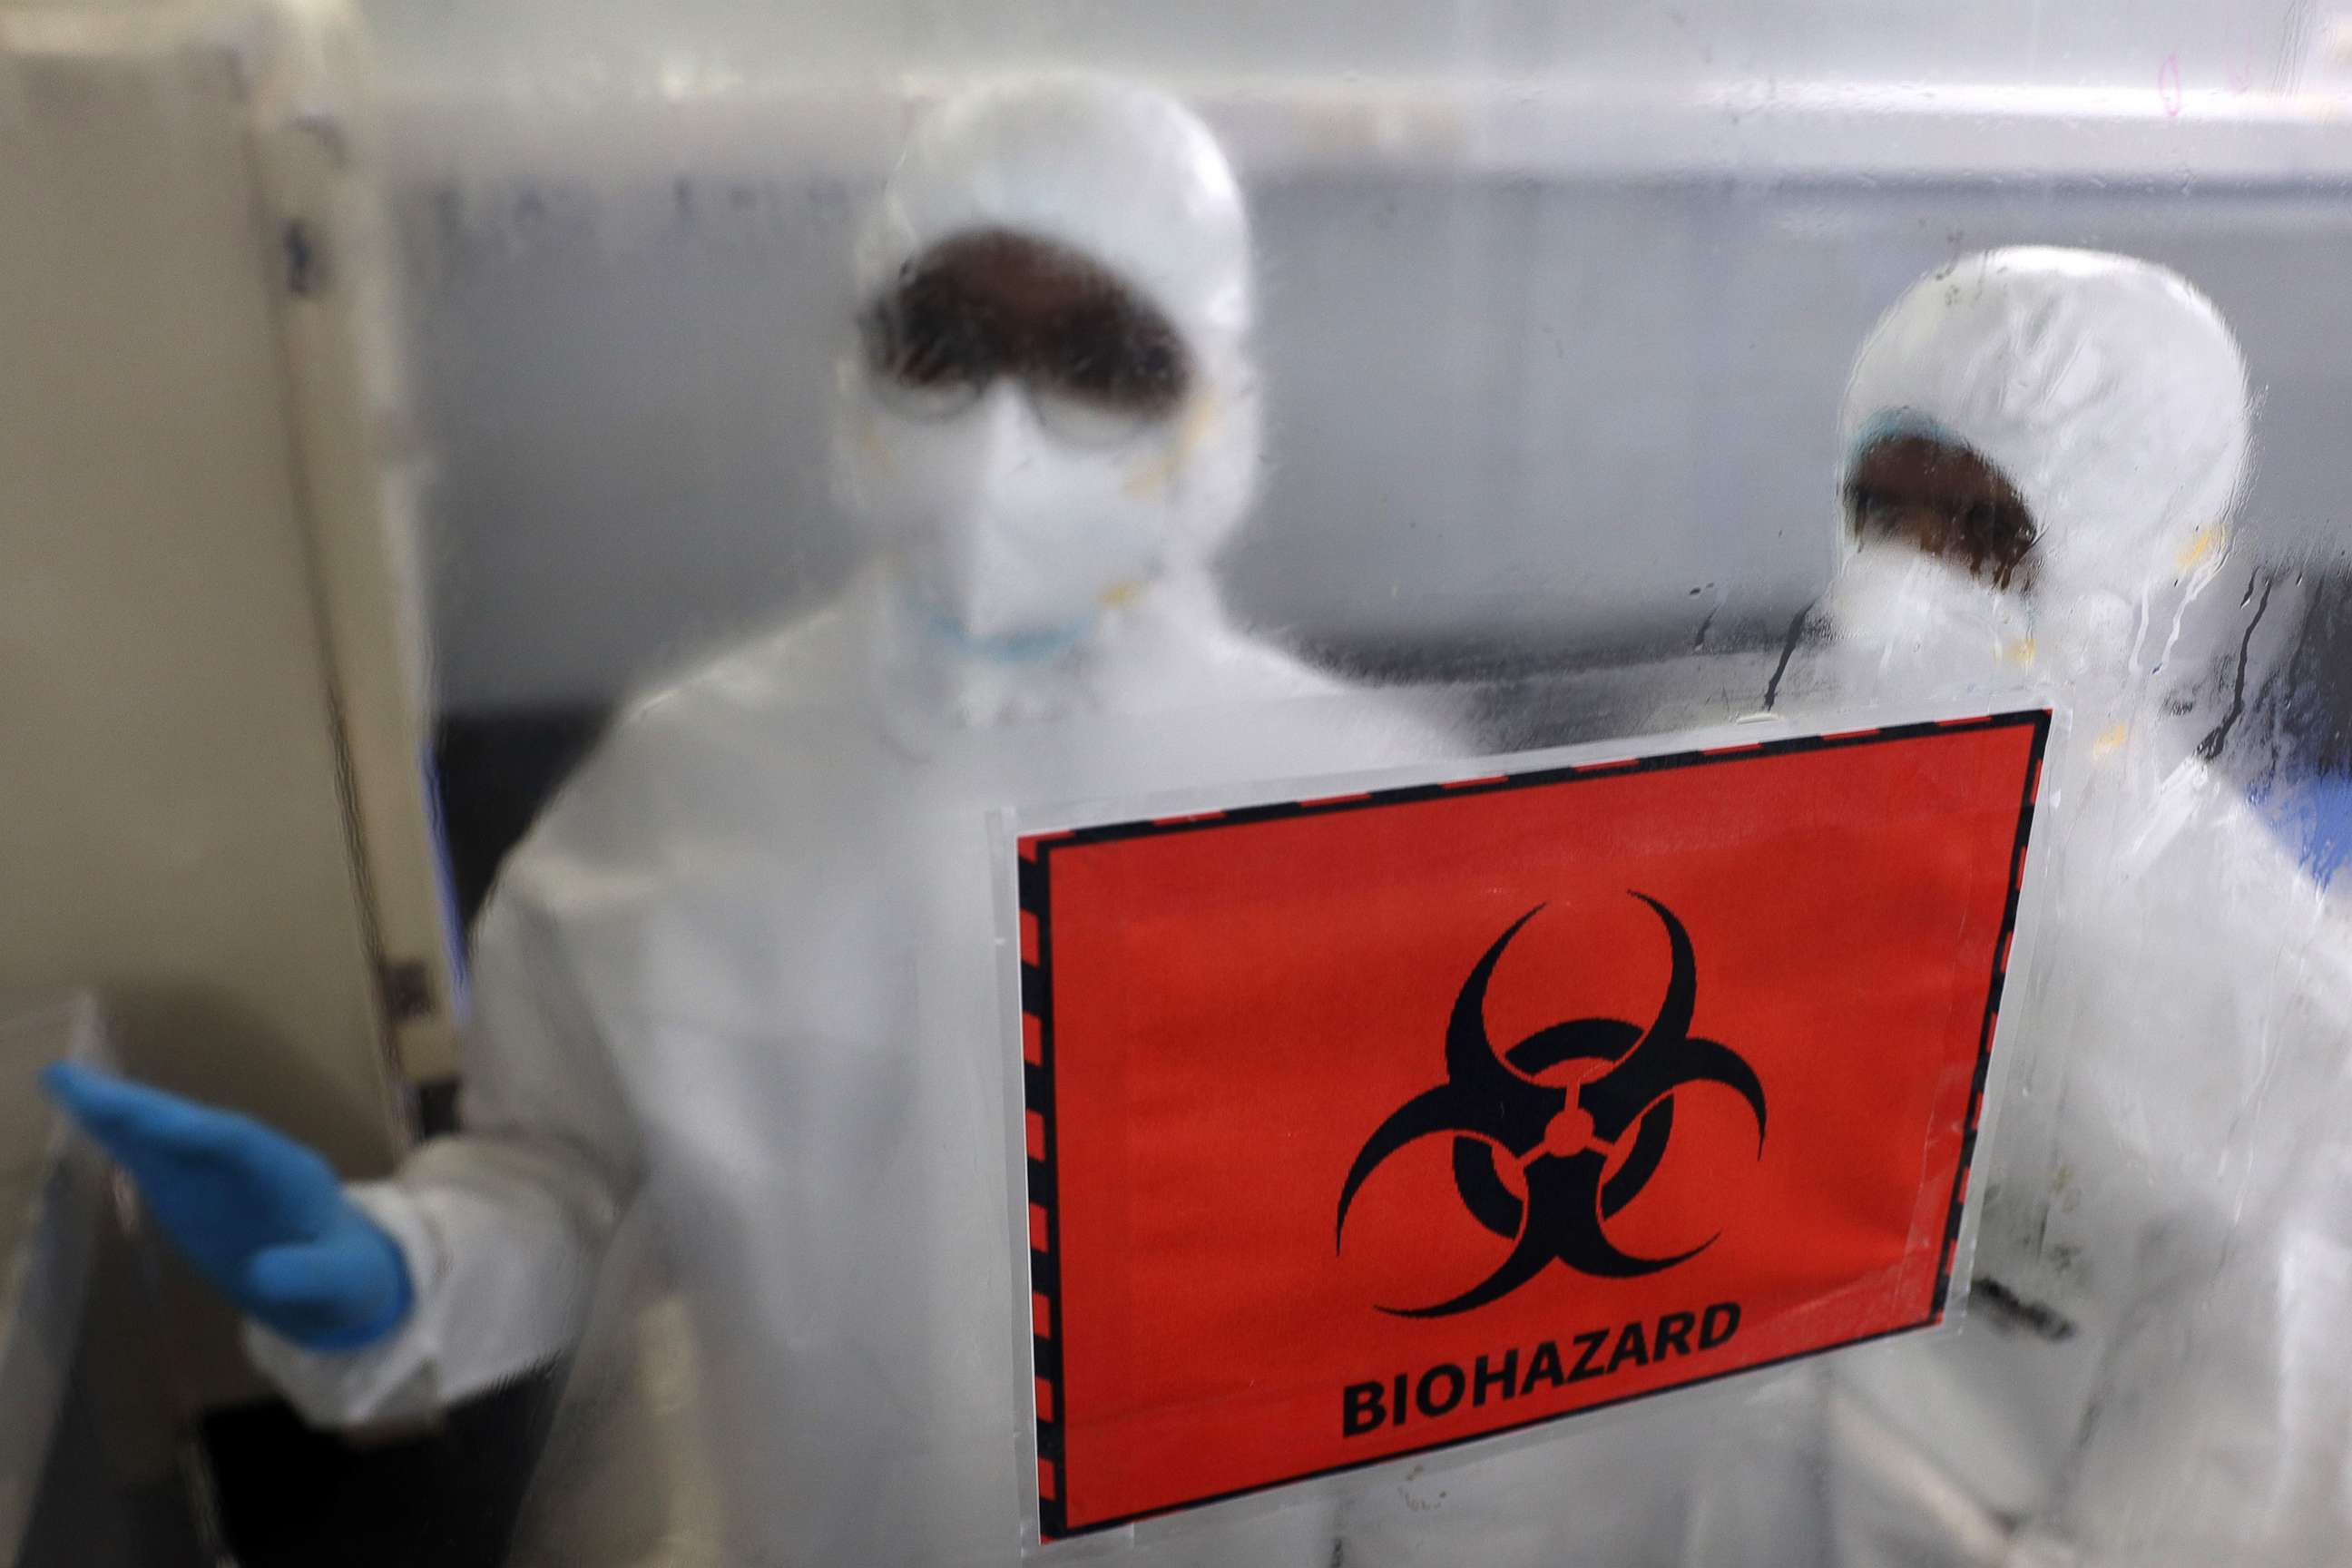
(549,48)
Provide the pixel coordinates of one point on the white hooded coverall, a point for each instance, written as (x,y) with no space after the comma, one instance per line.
(2152,1368)
(745,971)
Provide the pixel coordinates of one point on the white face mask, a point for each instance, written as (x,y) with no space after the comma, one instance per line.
(1004,533)
(1907,626)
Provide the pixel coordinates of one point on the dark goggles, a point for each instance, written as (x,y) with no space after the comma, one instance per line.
(1100,363)
(1945,500)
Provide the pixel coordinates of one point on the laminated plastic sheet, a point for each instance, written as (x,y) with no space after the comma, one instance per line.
(1376,1119)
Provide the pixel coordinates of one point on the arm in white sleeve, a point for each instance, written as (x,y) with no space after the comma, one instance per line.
(2224,1434)
(502,1227)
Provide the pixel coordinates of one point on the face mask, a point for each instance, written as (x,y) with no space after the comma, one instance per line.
(1907,625)
(1003,534)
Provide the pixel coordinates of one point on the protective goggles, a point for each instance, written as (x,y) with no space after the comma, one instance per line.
(1098,364)
(1945,499)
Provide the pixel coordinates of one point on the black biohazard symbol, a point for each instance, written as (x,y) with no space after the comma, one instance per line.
(1565,1138)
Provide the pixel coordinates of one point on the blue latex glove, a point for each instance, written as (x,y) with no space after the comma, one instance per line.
(261,1217)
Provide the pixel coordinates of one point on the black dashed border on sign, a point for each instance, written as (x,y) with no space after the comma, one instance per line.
(1035,856)
(1043,1210)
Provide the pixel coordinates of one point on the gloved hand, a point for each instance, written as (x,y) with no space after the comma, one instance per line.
(261,1217)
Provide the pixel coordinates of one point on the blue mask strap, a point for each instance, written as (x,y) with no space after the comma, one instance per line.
(1900,424)
(1013,648)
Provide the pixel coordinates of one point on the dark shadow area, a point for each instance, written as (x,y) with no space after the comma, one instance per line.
(495,771)
(290,1495)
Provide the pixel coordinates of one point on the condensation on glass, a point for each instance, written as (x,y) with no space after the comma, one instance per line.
(1694,610)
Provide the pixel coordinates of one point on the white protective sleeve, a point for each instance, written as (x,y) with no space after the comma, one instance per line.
(2216,1427)
(502,1227)
(2226,1426)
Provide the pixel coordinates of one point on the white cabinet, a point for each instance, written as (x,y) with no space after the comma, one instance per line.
(212,802)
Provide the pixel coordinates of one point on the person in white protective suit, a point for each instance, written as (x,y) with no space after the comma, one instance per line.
(746,971)
(2043,448)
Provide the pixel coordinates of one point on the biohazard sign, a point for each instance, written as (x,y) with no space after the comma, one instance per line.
(1364,1125)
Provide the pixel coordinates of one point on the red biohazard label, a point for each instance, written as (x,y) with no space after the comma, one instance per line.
(1367,1124)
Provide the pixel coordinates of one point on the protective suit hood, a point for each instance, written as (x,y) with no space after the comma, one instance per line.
(1122,173)
(2112,397)
(1016,538)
